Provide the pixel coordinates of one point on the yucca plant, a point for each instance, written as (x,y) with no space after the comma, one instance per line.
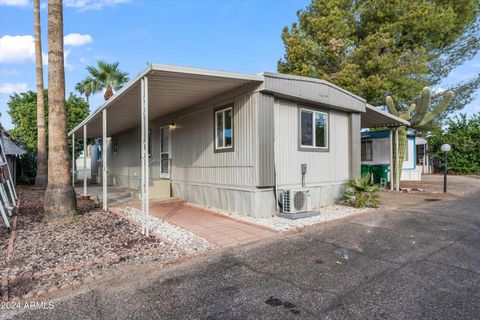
(360,194)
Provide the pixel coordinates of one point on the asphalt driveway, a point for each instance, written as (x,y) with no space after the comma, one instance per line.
(416,263)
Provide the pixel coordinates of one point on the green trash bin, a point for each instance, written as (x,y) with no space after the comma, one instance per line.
(380,171)
(365,170)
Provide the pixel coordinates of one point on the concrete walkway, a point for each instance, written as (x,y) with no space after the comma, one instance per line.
(216,228)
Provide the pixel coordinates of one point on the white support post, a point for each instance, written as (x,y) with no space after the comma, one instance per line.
(147,163)
(391,159)
(144,157)
(142,153)
(104,159)
(73,160)
(85,160)
(397,154)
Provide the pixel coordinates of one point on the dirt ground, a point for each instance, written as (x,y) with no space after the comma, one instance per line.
(52,254)
(433,183)
(432,186)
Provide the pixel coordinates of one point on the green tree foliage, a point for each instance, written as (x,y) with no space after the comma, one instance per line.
(22,108)
(105,76)
(463,134)
(379,48)
(23,111)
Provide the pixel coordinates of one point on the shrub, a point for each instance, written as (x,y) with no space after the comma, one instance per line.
(360,194)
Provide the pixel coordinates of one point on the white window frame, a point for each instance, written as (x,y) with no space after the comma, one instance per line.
(314,136)
(223,111)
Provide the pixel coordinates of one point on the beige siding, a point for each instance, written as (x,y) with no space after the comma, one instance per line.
(330,167)
(193,156)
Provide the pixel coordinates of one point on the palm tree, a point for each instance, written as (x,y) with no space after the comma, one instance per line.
(42,165)
(87,87)
(105,76)
(60,200)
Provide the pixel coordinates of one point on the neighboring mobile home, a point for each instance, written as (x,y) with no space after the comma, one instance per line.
(13,150)
(376,150)
(231,141)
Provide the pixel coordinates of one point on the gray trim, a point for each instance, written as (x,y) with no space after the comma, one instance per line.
(299,131)
(265,140)
(215,110)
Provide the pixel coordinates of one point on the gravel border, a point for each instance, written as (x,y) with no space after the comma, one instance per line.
(327,213)
(186,240)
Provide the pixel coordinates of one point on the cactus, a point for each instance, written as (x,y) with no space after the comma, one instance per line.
(420,117)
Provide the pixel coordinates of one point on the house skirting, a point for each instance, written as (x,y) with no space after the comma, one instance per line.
(251,202)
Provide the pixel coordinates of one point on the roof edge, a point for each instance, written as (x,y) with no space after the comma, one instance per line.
(387,114)
(314,80)
(206,72)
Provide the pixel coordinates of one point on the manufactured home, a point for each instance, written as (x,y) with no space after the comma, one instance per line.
(237,142)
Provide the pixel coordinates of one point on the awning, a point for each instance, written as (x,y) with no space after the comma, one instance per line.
(374,118)
(170,89)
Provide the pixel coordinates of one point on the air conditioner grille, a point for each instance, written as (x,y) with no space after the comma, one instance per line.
(286,201)
(299,200)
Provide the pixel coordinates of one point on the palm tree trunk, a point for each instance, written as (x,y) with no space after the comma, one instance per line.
(108,93)
(42,165)
(60,200)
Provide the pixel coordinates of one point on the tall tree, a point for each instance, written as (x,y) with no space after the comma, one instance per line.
(60,200)
(22,108)
(42,164)
(379,48)
(106,76)
(88,86)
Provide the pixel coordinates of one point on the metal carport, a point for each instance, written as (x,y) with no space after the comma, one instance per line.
(157,91)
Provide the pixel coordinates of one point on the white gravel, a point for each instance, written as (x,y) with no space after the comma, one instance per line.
(328,213)
(185,239)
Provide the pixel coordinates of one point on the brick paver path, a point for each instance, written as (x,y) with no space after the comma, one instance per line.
(216,228)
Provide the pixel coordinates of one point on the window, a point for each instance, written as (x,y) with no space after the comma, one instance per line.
(367,151)
(224,129)
(313,129)
(114,146)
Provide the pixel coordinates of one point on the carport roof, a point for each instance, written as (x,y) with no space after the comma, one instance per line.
(171,87)
(374,118)
(174,88)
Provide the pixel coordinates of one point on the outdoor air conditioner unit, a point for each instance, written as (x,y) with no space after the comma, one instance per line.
(295,201)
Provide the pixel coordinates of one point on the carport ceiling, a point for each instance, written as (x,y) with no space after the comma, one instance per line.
(169,90)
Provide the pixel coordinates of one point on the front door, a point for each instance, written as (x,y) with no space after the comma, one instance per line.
(165,146)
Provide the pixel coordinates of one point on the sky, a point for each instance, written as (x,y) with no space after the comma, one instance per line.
(230,35)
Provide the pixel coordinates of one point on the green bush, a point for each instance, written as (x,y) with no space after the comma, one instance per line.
(463,134)
(360,194)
